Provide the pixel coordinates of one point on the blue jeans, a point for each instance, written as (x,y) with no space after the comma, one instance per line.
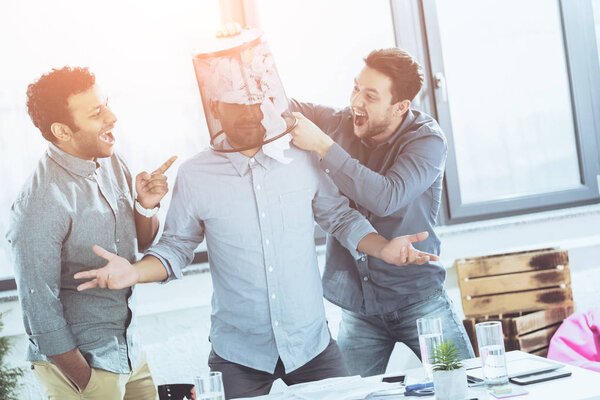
(367,342)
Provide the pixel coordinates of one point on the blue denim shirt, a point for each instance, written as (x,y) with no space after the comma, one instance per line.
(67,206)
(397,185)
(258,215)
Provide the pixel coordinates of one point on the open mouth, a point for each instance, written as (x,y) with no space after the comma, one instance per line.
(107,137)
(359,118)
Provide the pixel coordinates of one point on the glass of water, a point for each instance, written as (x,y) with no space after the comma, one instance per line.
(430,336)
(491,350)
(210,386)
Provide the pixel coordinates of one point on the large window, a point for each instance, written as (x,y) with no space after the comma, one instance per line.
(514,84)
(141,54)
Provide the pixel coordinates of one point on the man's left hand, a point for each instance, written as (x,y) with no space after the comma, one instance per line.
(151,188)
(400,251)
(308,136)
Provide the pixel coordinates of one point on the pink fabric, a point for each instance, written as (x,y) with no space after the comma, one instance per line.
(577,341)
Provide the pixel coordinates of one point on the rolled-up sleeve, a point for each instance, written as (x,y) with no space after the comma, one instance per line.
(183,231)
(333,213)
(36,237)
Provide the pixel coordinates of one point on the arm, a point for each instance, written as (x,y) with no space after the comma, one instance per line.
(165,260)
(150,189)
(333,213)
(36,237)
(413,172)
(74,366)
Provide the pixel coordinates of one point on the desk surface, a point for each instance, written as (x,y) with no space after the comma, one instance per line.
(582,385)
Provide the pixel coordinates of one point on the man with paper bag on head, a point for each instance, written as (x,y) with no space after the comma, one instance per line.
(255,201)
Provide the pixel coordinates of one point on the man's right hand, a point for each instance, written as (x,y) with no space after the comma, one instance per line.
(118,273)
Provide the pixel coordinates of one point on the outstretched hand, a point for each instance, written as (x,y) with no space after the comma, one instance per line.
(118,273)
(152,187)
(400,251)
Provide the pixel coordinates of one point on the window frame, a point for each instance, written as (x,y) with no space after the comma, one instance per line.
(583,67)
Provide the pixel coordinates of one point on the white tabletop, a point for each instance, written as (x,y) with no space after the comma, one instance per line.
(581,385)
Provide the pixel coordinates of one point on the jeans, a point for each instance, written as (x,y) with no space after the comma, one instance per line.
(367,342)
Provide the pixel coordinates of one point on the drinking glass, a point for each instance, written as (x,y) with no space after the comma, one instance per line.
(210,386)
(430,336)
(491,350)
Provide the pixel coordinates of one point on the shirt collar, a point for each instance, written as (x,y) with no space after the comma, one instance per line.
(408,121)
(241,163)
(76,165)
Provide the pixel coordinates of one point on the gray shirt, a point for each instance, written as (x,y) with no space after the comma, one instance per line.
(66,206)
(397,185)
(258,215)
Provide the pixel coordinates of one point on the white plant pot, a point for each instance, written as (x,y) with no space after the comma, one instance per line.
(450,385)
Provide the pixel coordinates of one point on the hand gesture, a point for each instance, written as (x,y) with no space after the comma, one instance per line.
(400,251)
(151,188)
(118,273)
(308,136)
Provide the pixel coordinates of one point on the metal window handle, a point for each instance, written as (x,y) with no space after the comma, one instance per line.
(440,83)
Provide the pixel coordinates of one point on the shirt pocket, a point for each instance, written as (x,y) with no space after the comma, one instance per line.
(297,213)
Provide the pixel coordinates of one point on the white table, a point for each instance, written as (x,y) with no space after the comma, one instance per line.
(581,385)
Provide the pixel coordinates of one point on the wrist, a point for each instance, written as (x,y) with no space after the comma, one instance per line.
(324,145)
(146,210)
(137,276)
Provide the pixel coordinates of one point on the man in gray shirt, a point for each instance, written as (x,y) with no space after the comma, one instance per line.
(257,215)
(388,159)
(81,345)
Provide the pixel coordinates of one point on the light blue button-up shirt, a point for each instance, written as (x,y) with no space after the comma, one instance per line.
(258,218)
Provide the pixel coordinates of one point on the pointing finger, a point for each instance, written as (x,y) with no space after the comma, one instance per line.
(163,168)
(107,255)
(88,285)
(86,274)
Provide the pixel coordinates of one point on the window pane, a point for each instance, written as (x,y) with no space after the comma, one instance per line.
(141,55)
(317,46)
(596,6)
(509,98)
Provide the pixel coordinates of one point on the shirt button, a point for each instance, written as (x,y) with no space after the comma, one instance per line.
(263,215)
(252,160)
(366,278)
(273,296)
(327,170)
(363,258)
(31,291)
(118,240)
(267,242)
(270,269)
(276,323)
(257,187)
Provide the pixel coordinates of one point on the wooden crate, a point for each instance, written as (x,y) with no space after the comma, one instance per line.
(529,331)
(516,282)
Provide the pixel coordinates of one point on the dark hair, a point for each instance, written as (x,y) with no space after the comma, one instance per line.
(404,71)
(47,97)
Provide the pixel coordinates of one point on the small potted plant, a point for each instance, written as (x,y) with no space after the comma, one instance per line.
(449,375)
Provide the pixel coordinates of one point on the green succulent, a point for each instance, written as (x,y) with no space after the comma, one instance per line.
(445,357)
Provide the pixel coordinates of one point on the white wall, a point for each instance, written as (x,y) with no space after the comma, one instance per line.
(174,319)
